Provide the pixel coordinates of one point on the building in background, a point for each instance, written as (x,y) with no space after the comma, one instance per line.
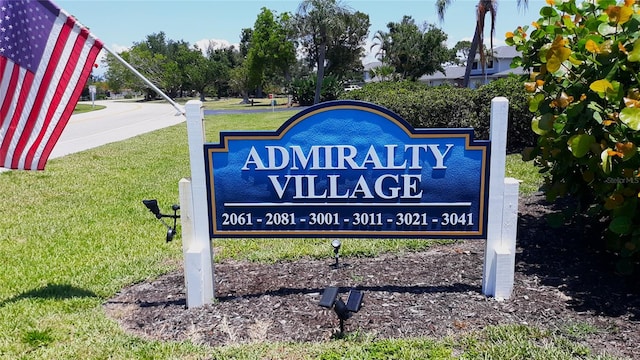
(497,67)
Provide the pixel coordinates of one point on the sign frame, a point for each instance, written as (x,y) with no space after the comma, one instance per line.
(213,151)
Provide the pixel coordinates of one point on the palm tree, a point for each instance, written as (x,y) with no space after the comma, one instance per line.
(381,40)
(320,21)
(382,72)
(483,7)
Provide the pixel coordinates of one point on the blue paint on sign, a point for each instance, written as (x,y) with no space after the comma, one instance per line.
(348,169)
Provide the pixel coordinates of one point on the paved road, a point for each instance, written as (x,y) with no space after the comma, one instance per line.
(122,120)
(118,121)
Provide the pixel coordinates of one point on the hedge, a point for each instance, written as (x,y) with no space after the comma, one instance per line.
(453,107)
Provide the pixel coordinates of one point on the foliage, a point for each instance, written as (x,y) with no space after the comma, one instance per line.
(197,70)
(520,135)
(383,73)
(174,67)
(345,51)
(118,76)
(413,51)
(240,81)
(221,62)
(303,90)
(321,26)
(447,106)
(585,93)
(462,49)
(270,51)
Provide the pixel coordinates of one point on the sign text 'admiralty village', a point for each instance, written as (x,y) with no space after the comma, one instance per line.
(387,186)
(348,169)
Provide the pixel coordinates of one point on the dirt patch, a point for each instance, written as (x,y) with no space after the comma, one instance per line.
(559,282)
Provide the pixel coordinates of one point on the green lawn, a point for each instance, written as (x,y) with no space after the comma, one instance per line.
(81,108)
(75,234)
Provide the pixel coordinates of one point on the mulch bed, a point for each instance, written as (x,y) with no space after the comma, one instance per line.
(559,282)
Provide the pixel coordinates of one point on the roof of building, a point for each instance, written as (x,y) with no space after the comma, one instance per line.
(451,72)
(372,65)
(517,71)
(457,72)
(506,52)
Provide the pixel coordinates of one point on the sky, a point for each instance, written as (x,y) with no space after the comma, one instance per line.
(120,24)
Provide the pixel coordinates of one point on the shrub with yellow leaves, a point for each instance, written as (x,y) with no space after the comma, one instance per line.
(585,95)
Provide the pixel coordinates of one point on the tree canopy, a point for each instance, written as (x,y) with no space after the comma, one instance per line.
(324,38)
(321,27)
(271,52)
(413,51)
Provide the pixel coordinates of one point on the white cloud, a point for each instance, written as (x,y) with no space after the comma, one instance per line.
(119,48)
(216,43)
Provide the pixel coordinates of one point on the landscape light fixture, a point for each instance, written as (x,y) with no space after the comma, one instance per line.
(331,299)
(336,250)
(152,205)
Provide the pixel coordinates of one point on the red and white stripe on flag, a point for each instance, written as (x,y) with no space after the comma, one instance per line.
(45,60)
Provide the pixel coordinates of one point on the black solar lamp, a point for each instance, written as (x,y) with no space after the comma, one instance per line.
(152,205)
(331,299)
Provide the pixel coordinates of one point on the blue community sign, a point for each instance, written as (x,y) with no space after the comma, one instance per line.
(348,169)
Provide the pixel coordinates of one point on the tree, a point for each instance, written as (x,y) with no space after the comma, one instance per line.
(414,51)
(154,60)
(223,61)
(117,75)
(483,7)
(271,51)
(240,81)
(198,71)
(318,23)
(345,51)
(173,66)
(245,41)
(380,41)
(462,48)
(383,72)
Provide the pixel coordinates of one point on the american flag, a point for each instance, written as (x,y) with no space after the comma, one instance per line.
(45,60)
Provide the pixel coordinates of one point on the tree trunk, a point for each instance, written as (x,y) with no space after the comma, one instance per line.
(245,97)
(321,56)
(471,58)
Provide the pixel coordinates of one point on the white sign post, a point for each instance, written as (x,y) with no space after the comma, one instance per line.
(92,92)
(194,217)
(499,260)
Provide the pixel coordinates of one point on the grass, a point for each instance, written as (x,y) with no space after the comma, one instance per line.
(74,235)
(526,172)
(234,103)
(82,108)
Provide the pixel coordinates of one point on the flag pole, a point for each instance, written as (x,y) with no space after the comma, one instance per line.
(146,81)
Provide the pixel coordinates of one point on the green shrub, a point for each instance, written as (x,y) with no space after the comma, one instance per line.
(303,90)
(451,107)
(585,95)
(520,134)
(331,88)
